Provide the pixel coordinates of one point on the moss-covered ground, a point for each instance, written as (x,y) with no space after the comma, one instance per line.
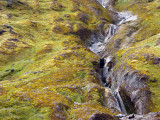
(144,52)
(46,72)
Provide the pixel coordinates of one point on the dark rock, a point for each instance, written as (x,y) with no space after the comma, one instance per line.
(149,116)
(60,117)
(10,45)
(67,15)
(155,60)
(83,32)
(9,16)
(12,70)
(102,62)
(101,116)
(158,7)
(101,28)
(83,17)
(59,19)
(154,80)
(57,7)
(158,41)
(61,106)
(34,72)
(135,92)
(7,26)
(15,40)
(129,105)
(12,32)
(117,43)
(2,31)
(57,29)
(104,19)
(146,56)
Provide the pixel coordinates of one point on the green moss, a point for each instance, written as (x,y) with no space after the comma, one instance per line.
(46,63)
(74,95)
(21,110)
(140,57)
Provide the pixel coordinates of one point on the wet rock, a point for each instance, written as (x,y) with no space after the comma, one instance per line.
(111,102)
(128,104)
(135,91)
(131,116)
(109,61)
(101,116)
(120,115)
(102,62)
(101,28)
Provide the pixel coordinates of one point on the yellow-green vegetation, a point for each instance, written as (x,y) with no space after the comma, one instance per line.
(148,12)
(144,56)
(142,53)
(45,68)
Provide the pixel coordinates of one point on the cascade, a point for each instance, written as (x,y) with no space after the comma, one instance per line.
(99,46)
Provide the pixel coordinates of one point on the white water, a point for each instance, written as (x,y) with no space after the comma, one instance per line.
(124,17)
(100,46)
(120,101)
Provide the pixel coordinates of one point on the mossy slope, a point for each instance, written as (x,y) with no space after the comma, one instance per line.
(45,70)
(142,52)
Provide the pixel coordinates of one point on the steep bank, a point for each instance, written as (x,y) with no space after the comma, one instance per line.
(135,69)
(141,53)
(46,72)
(106,64)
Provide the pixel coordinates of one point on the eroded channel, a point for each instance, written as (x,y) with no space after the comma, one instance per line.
(106,64)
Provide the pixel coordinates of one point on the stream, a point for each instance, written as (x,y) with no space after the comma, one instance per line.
(99,46)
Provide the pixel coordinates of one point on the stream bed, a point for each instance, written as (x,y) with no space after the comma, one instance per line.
(99,46)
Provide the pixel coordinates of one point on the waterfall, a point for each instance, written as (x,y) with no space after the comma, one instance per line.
(110,32)
(120,101)
(99,46)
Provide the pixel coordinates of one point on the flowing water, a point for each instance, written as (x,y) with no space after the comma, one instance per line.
(100,45)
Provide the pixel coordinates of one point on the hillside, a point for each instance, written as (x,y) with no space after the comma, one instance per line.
(49,72)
